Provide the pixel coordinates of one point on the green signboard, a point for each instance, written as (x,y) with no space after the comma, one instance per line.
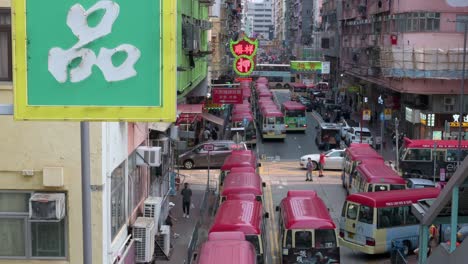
(94,60)
(305,66)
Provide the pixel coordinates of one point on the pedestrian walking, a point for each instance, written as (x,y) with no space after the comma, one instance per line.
(170,219)
(186,199)
(310,167)
(321,164)
(207,134)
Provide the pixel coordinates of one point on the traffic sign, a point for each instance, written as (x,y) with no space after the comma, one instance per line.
(208,147)
(366,114)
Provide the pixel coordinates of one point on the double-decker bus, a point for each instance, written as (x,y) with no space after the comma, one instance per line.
(222,244)
(306,230)
(370,221)
(246,216)
(294,116)
(279,75)
(272,122)
(372,175)
(416,157)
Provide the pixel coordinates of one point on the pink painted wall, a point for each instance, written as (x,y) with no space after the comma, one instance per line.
(429,40)
(401,6)
(427,86)
(137,133)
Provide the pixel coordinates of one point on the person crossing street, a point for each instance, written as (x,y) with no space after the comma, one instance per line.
(321,164)
(310,167)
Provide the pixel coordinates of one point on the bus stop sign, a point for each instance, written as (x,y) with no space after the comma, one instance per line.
(208,147)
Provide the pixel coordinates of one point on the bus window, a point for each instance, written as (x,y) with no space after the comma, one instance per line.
(352,211)
(369,188)
(396,187)
(418,155)
(288,239)
(279,120)
(380,188)
(270,121)
(325,238)
(343,211)
(365,214)
(452,155)
(255,241)
(383,217)
(303,239)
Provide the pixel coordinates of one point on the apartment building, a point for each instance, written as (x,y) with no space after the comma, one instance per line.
(40,173)
(411,54)
(260,14)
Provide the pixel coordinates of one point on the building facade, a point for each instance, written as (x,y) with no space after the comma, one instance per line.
(260,14)
(409,57)
(44,157)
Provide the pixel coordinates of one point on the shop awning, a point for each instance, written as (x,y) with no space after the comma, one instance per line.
(189,109)
(213,118)
(159,126)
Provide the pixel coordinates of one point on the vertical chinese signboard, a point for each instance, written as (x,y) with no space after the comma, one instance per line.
(100,60)
(244,51)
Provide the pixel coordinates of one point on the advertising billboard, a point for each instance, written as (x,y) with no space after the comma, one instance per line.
(98,61)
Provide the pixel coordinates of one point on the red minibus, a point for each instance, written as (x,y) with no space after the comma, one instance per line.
(237,159)
(354,154)
(372,175)
(371,221)
(247,217)
(298,89)
(416,157)
(262,80)
(307,231)
(223,244)
(242,183)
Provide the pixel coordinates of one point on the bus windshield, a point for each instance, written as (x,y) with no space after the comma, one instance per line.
(254,240)
(295,113)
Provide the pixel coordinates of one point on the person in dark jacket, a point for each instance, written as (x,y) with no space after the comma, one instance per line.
(186,199)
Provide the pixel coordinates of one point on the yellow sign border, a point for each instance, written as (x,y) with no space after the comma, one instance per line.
(166,113)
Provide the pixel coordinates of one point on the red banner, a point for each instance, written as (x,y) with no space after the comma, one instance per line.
(227,96)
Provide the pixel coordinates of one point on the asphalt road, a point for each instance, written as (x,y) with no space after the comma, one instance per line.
(281,171)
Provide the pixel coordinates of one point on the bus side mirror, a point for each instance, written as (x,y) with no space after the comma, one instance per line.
(259,164)
(266,215)
(195,255)
(277,208)
(263,184)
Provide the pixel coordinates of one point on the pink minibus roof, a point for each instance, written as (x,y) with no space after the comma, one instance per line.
(242,169)
(362,151)
(239,215)
(375,171)
(239,116)
(305,210)
(393,198)
(242,196)
(239,160)
(222,244)
(291,105)
(298,85)
(428,143)
(271,112)
(242,182)
(262,80)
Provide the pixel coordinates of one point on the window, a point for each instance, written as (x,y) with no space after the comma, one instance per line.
(325,238)
(352,211)
(303,239)
(418,155)
(136,183)
(117,199)
(395,216)
(24,238)
(397,187)
(365,214)
(461,26)
(5,45)
(255,241)
(288,239)
(380,187)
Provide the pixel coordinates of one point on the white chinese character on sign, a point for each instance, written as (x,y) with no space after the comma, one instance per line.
(77,21)
(456,118)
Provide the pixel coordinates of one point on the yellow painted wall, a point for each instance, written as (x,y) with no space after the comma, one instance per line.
(34,145)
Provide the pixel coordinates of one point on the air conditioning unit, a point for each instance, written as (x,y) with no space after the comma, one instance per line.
(47,206)
(144,232)
(152,208)
(164,239)
(449,101)
(150,156)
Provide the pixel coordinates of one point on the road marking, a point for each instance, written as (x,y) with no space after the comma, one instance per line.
(273,223)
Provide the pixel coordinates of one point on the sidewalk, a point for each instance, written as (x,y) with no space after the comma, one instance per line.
(192,231)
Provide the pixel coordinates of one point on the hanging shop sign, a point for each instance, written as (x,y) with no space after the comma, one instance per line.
(412,115)
(456,121)
(305,66)
(97,67)
(244,51)
(388,113)
(427,119)
(366,114)
(227,96)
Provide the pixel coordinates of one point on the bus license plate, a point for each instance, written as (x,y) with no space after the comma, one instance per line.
(271,133)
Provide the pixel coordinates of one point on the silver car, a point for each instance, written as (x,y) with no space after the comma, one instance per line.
(198,156)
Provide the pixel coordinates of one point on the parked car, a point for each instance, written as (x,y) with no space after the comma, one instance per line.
(198,156)
(333,159)
(416,183)
(346,125)
(354,136)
